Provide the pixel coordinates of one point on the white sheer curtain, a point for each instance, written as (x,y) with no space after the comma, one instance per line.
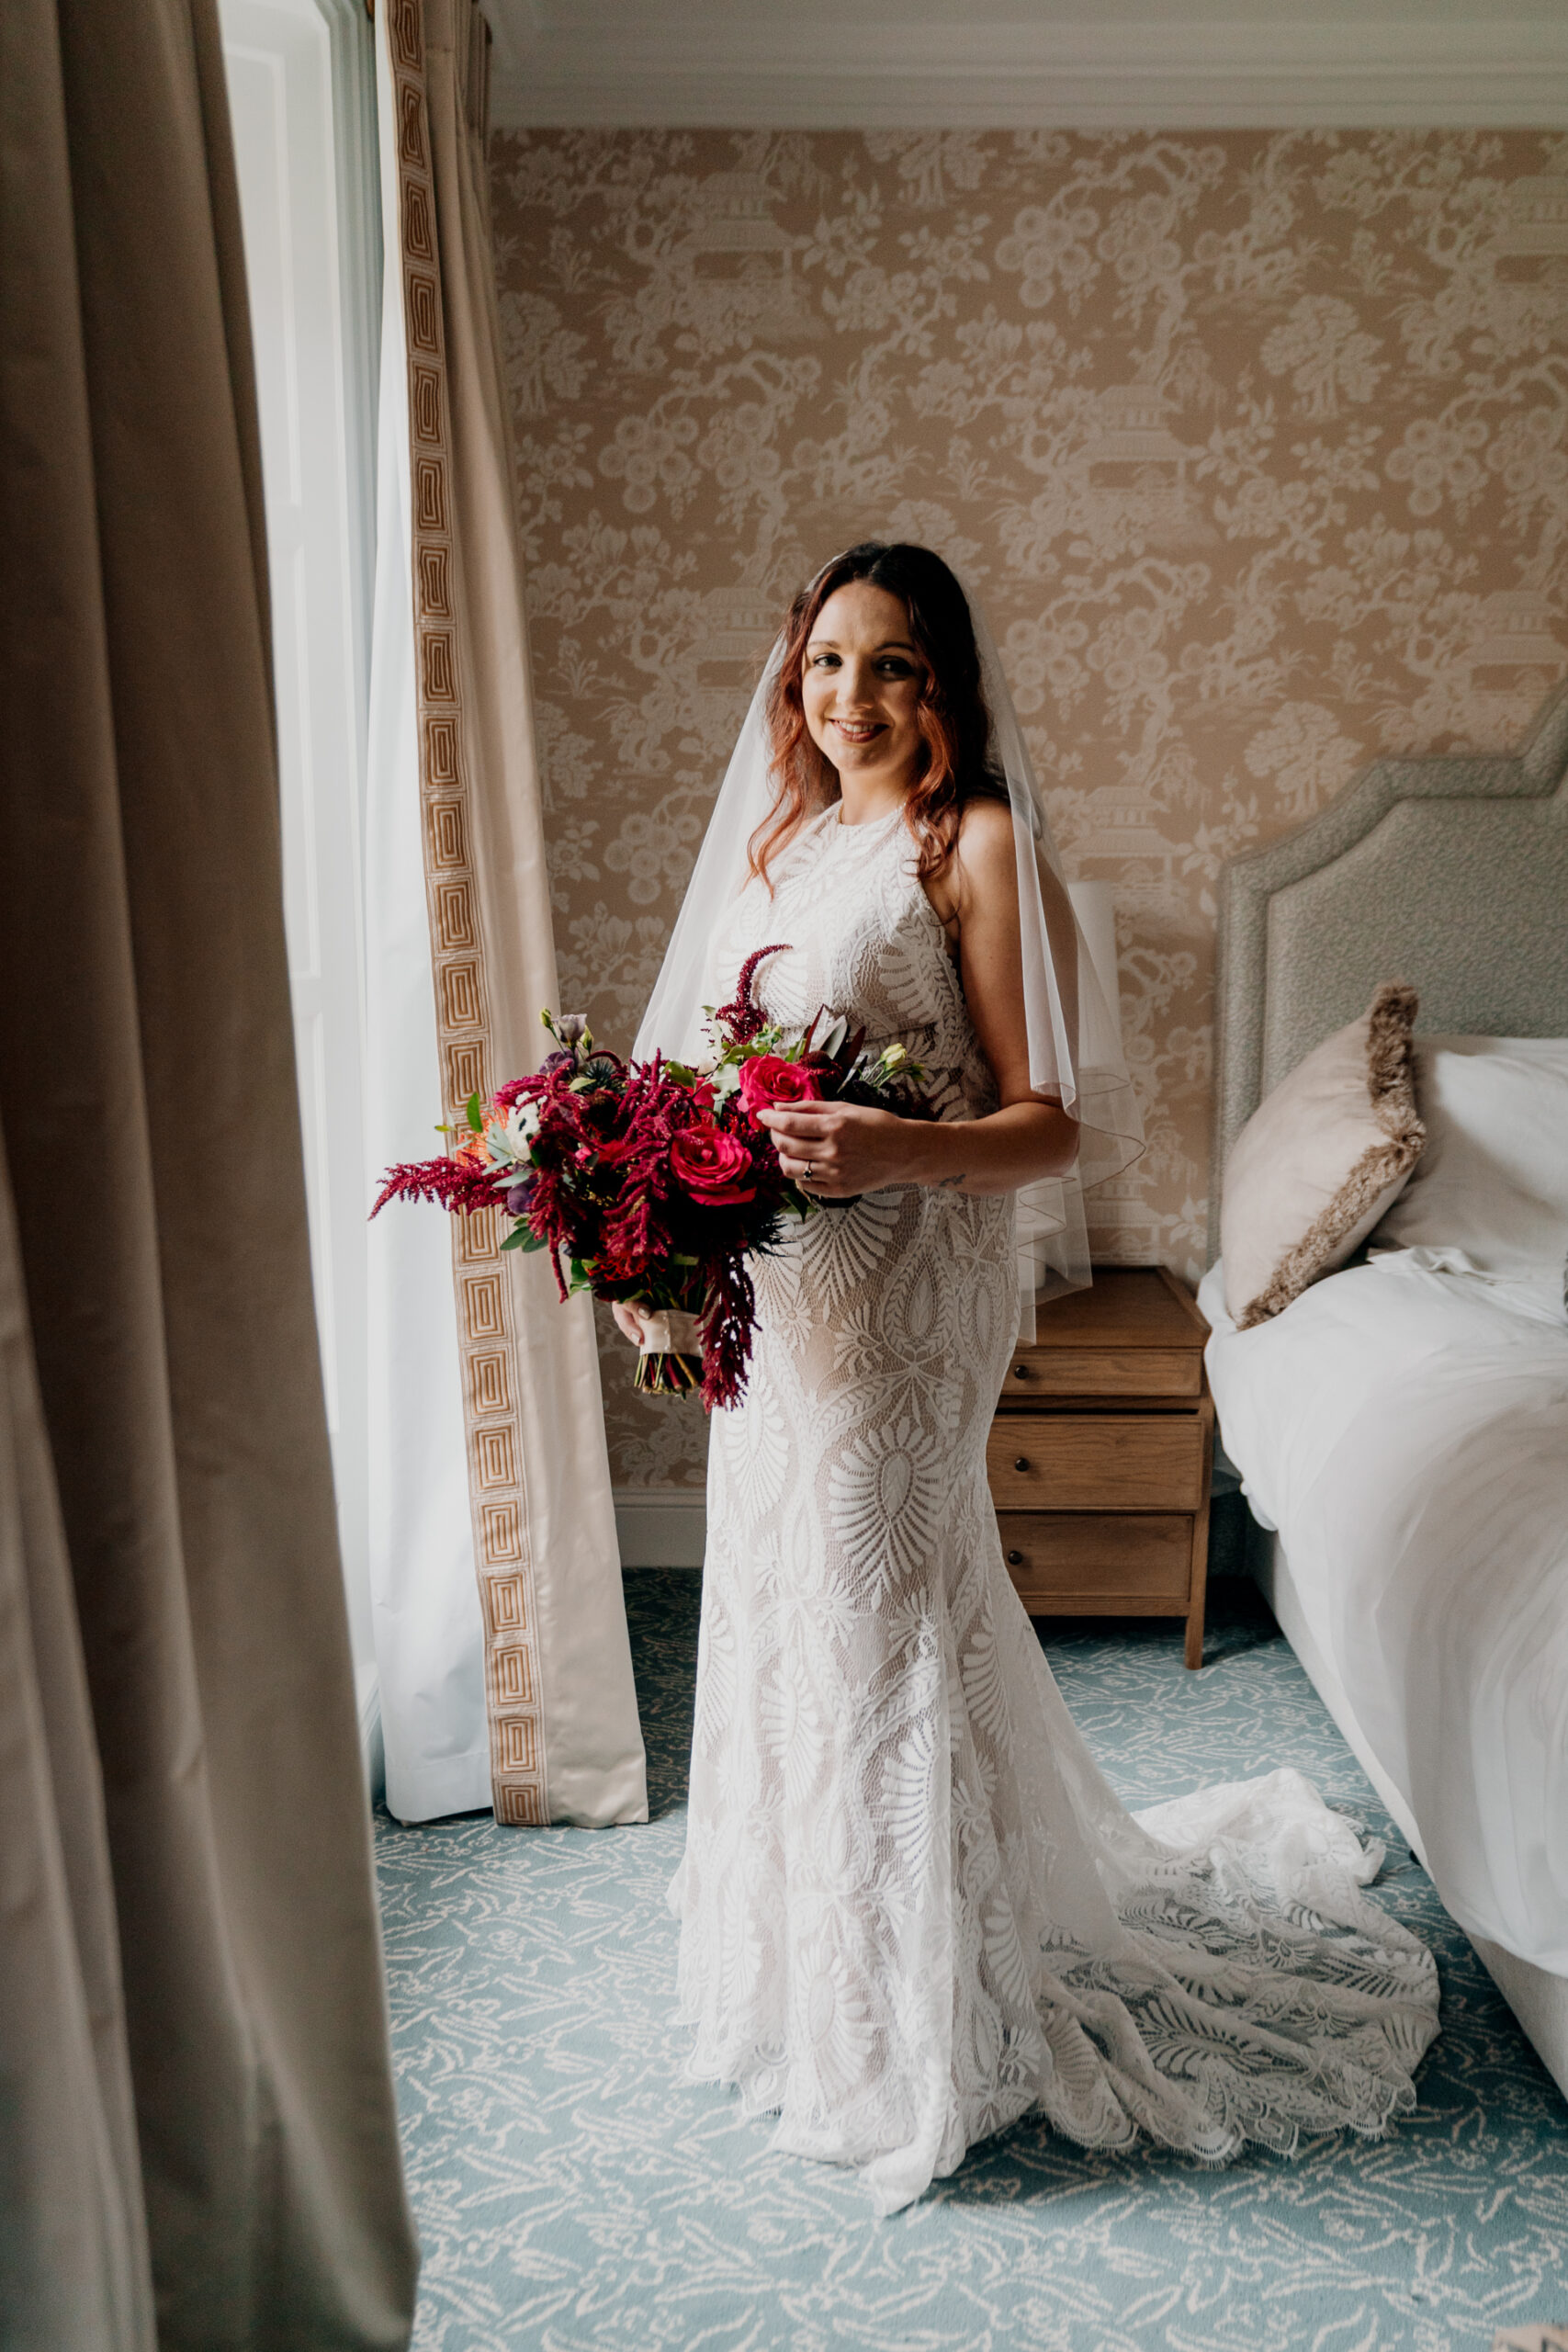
(501,1632)
(428,1639)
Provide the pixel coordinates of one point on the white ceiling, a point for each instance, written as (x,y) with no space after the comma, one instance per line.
(1090,64)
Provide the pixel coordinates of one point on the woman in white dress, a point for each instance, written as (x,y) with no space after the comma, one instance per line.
(911,1909)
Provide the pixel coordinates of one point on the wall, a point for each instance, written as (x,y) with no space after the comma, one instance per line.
(1254,445)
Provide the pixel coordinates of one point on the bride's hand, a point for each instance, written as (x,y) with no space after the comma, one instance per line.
(836,1150)
(631,1321)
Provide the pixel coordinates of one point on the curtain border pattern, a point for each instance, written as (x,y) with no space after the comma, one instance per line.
(464,1030)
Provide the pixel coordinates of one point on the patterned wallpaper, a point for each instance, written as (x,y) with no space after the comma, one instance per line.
(1256,444)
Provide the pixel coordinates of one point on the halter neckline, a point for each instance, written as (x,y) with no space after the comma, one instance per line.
(868,824)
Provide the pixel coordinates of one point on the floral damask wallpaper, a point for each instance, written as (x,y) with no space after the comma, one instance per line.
(1256,445)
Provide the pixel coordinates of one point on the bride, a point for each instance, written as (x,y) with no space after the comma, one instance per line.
(911,1909)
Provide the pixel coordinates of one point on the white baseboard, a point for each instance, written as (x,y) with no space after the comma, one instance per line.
(666,1527)
(660,1527)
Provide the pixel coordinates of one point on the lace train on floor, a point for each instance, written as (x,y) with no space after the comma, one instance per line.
(1208,1973)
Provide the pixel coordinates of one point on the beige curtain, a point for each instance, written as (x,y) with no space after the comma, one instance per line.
(197,2137)
(565,1743)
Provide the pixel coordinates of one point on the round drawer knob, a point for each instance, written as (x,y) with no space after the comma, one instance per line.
(1022,1461)
(1015,1559)
(1020,1372)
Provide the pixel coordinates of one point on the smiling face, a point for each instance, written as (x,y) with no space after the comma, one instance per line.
(860,688)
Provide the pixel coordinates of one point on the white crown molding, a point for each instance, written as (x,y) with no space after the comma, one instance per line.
(654,68)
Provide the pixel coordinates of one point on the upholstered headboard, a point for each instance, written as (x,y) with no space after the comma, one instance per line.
(1452,874)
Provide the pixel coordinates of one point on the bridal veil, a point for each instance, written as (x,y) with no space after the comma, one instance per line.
(1075,1046)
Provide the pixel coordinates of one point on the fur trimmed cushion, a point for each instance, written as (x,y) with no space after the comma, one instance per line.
(1320,1161)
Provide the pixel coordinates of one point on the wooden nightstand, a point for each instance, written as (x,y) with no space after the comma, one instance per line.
(1101,1451)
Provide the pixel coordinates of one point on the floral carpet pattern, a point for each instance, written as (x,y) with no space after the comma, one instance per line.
(570,2191)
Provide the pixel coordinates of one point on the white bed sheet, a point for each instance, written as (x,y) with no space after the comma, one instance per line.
(1405,1428)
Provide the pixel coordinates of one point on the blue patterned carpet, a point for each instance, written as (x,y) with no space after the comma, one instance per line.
(570,2192)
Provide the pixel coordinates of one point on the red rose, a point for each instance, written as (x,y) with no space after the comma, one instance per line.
(767,1080)
(709,1164)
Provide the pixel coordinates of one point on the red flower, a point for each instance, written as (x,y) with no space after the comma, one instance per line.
(710,1165)
(767,1080)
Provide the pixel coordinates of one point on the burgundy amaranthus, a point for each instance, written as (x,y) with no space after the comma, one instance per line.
(741,1016)
(459,1184)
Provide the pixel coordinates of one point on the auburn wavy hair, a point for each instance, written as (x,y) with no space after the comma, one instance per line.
(955,726)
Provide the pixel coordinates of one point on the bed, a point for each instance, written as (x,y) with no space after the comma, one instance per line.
(1401,1429)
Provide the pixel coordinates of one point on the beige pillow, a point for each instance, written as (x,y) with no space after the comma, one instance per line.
(1321,1159)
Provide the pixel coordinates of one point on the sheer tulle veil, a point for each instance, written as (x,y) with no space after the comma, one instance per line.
(1075,1048)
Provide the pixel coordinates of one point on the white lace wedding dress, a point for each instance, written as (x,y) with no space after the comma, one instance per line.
(911,1909)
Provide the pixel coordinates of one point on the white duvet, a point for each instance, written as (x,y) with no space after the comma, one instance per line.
(1405,1426)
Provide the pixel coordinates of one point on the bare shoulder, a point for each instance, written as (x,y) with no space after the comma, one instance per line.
(987,859)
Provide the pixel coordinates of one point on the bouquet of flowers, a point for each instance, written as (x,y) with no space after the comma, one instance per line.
(654,1181)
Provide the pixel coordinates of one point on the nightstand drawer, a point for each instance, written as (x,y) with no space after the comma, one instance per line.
(1054,1557)
(1102,1371)
(1097,1462)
